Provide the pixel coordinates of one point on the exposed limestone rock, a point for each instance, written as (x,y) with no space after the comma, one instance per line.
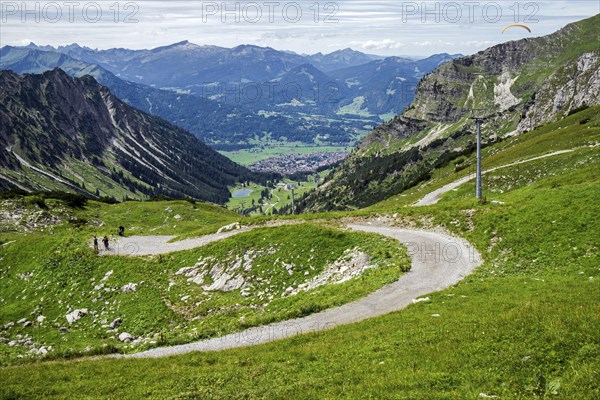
(230,227)
(76,315)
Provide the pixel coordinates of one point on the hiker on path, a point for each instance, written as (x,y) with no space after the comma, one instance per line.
(96,249)
(105,241)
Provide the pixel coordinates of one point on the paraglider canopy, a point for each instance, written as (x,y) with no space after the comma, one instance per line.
(517,26)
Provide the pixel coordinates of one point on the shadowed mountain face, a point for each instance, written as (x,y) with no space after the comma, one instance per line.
(60,132)
(517,85)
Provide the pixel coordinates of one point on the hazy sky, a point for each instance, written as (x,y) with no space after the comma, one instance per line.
(378,26)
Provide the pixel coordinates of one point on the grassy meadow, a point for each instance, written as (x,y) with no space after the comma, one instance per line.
(523,326)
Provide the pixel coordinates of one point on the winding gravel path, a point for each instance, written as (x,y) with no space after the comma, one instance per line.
(155,245)
(436,195)
(438,261)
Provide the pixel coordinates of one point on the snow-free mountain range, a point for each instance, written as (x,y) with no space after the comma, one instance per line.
(230,98)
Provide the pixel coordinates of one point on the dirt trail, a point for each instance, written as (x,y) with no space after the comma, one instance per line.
(438,261)
(436,195)
(154,245)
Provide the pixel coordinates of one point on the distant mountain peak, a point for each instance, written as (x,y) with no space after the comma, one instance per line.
(69,48)
(338,59)
(346,50)
(184,44)
(249,47)
(34,46)
(445,55)
(72,46)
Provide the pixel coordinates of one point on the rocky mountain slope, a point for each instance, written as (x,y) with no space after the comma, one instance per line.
(60,132)
(517,85)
